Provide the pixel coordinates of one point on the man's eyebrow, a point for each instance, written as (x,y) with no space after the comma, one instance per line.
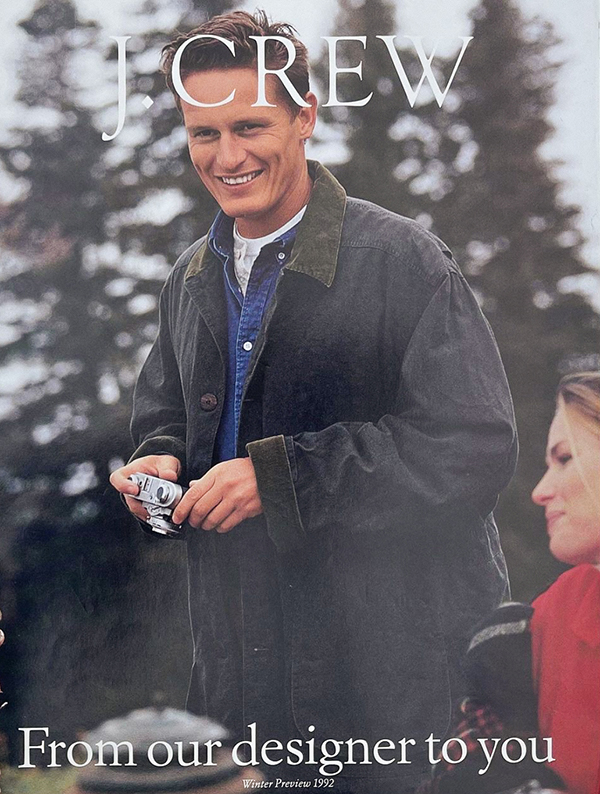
(199,128)
(251,120)
(237,123)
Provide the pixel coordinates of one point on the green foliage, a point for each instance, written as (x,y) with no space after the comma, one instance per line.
(96,612)
(473,173)
(386,134)
(36,781)
(515,238)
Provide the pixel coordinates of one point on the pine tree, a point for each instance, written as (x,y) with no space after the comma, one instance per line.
(389,143)
(99,609)
(516,240)
(63,327)
(162,206)
(473,173)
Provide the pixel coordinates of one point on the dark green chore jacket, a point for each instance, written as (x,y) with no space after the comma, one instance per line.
(379,421)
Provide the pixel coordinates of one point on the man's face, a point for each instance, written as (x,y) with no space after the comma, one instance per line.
(251,159)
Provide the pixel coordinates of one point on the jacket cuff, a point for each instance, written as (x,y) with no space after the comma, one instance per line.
(276,488)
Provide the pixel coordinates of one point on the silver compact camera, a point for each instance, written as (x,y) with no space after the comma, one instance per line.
(160,498)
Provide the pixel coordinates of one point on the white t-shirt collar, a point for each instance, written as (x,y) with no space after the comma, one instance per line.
(256,243)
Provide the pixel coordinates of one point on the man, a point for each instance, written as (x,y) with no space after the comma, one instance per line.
(325,382)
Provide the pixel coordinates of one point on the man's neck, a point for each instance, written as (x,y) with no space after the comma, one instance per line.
(258,242)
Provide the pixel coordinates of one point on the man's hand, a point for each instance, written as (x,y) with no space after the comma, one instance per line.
(226,495)
(165,466)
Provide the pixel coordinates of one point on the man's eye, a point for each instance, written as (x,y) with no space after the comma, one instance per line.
(564,458)
(204,133)
(249,127)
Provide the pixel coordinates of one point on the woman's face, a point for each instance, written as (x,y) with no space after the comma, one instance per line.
(570,490)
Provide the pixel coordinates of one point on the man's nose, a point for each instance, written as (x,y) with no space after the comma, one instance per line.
(544,490)
(230,154)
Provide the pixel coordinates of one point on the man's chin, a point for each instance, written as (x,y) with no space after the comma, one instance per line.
(241,210)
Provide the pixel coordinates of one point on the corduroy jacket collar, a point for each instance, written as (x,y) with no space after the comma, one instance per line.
(317,242)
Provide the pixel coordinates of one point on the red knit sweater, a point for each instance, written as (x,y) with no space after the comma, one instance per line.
(565,632)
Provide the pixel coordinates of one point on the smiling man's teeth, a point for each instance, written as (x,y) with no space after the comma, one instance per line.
(239,180)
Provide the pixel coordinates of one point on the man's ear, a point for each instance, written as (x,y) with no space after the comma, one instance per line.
(307,117)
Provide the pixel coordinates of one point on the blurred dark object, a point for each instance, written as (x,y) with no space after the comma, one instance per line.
(498,668)
(501,705)
(532,787)
(3,702)
(168,728)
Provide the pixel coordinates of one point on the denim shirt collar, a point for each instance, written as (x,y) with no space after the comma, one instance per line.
(318,234)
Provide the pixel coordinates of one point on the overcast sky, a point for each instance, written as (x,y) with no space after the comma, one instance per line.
(575,114)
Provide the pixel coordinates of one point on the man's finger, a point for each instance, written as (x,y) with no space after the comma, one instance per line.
(168,469)
(119,480)
(232,520)
(136,507)
(165,466)
(204,505)
(197,489)
(215,517)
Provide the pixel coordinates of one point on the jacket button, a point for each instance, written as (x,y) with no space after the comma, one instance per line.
(208,402)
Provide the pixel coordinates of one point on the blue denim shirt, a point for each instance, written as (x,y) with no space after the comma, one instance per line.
(244,318)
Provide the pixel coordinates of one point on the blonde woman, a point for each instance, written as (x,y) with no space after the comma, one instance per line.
(534,671)
(565,626)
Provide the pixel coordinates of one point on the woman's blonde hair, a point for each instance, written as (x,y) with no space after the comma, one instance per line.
(580,392)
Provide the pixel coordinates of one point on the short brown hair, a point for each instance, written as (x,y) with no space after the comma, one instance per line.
(237,27)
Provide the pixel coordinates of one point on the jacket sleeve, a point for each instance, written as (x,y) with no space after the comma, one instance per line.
(448,447)
(159,419)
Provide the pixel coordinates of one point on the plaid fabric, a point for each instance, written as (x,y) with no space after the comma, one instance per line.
(475,721)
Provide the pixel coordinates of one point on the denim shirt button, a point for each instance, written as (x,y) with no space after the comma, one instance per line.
(281,255)
(208,402)
(247,346)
